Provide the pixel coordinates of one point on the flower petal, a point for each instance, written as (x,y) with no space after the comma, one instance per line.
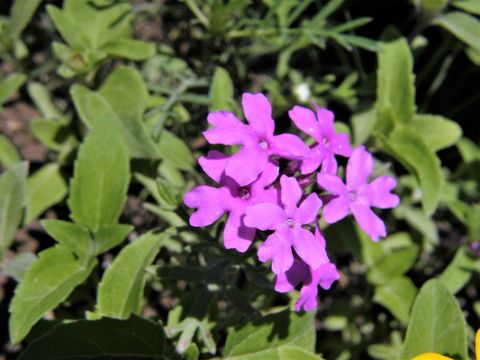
(246,165)
(214,164)
(368,221)
(382,197)
(258,112)
(290,194)
(228,130)
(341,145)
(305,120)
(264,216)
(326,275)
(312,163)
(308,210)
(329,164)
(336,209)
(325,120)
(359,168)
(209,202)
(277,248)
(332,184)
(309,248)
(308,297)
(288,146)
(236,235)
(299,272)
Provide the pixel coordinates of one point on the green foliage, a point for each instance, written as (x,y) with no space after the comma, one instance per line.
(135,338)
(98,188)
(8,153)
(120,292)
(266,337)
(12,198)
(221,91)
(437,324)
(46,284)
(9,85)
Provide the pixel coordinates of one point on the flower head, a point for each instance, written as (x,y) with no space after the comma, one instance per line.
(320,127)
(256,139)
(287,222)
(212,202)
(310,279)
(357,196)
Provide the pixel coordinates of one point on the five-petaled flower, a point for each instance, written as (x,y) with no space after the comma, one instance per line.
(357,196)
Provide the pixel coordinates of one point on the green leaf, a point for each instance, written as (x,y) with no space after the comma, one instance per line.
(463,26)
(434,5)
(72,236)
(42,99)
(46,284)
(110,236)
(8,152)
(395,82)
(221,91)
(121,107)
(130,49)
(9,85)
(418,220)
(261,337)
(20,15)
(437,132)
(436,324)
(397,295)
(44,189)
(174,151)
(120,292)
(472,6)
(135,339)
(411,150)
(102,172)
(458,272)
(12,195)
(68,28)
(363,124)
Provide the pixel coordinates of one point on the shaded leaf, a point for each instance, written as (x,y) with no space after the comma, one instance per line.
(8,152)
(397,295)
(437,132)
(135,339)
(458,272)
(463,26)
(20,15)
(221,91)
(72,236)
(9,85)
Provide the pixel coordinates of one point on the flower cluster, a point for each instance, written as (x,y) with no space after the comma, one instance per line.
(257,195)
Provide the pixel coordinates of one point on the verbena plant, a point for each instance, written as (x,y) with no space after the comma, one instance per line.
(150,221)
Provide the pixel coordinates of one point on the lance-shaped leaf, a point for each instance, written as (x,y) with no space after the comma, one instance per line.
(121,291)
(70,235)
(9,85)
(99,186)
(221,91)
(463,26)
(12,197)
(44,189)
(397,295)
(46,284)
(395,82)
(8,152)
(438,132)
(135,338)
(436,324)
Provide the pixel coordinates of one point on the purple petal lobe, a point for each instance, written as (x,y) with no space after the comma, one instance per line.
(290,194)
(236,235)
(329,164)
(264,216)
(289,146)
(305,120)
(287,281)
(277,248)
(214,164)
(342,146)
(209,202)
(331,183)
(336,210)
(228,130)
(325,119)
(327,274)
(309,248)
(246,165)
(359,168)
(308,210)
(258,111)
(312,163)
(382,198)
(368,221)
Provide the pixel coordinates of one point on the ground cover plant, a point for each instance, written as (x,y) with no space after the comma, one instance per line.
(276,179)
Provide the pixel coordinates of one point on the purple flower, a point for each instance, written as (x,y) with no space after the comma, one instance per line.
(211,203)
(287,222)
(357,196)
(257,139)
(329,143)
(300,272)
